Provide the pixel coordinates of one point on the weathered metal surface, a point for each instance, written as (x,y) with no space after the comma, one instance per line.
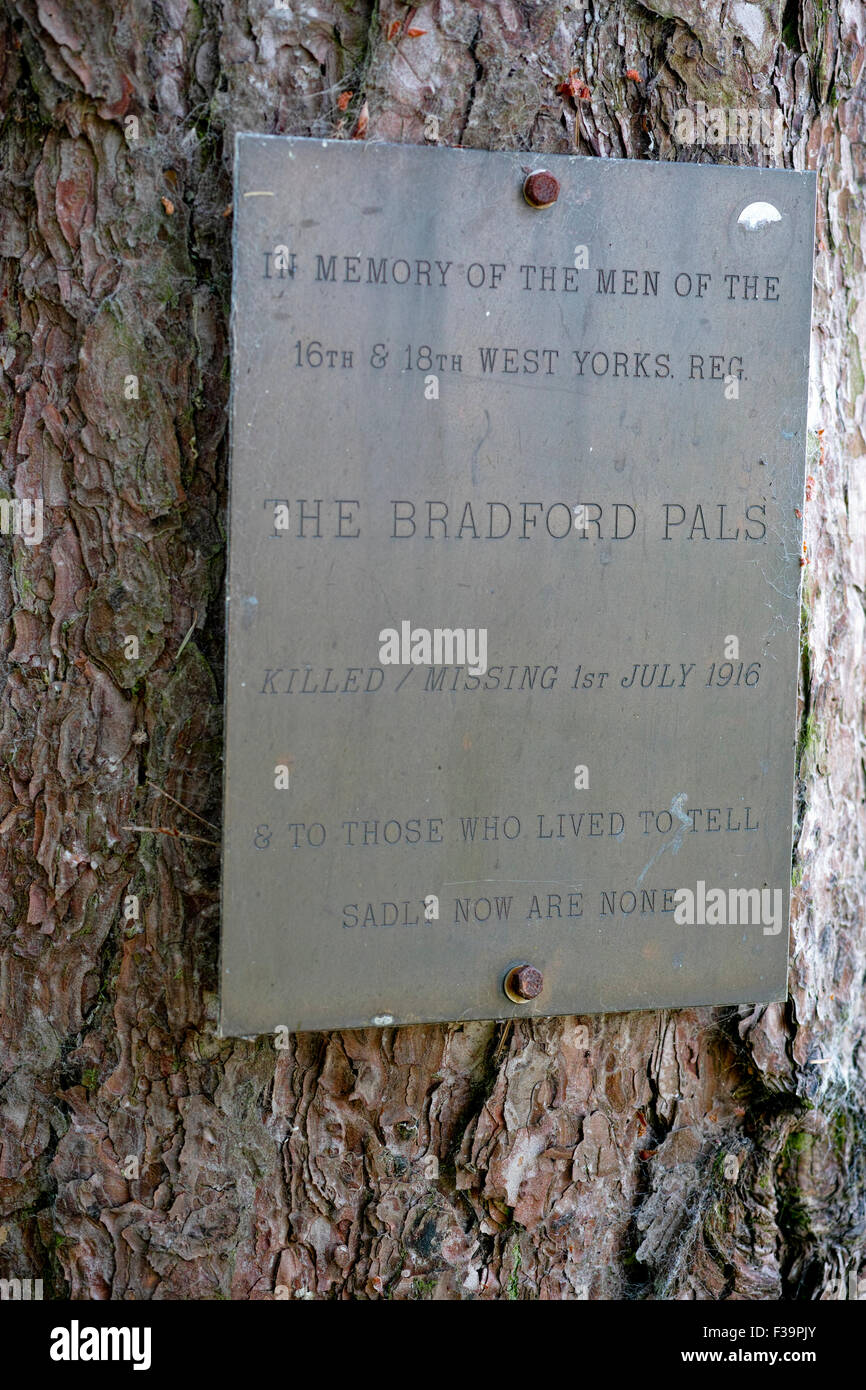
(429,376)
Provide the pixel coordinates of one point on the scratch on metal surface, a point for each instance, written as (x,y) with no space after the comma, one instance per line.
(554,882)
(477,449)
(674,843)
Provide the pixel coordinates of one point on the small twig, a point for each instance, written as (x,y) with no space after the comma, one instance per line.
(188,635)
(163,792)
(166,830)
(506,1030)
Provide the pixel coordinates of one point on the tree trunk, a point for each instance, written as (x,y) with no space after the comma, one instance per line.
(141,1156)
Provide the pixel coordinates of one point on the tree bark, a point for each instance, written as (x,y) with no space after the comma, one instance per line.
(456,1162)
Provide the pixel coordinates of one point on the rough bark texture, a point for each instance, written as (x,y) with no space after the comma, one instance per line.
(562,1171)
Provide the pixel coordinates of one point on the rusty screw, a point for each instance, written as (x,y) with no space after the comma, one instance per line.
(523,982)
(541,189)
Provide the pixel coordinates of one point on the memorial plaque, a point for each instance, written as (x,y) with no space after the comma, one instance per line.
(514,583)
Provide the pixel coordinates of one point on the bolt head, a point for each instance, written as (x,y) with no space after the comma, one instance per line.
(526,981)
(541,189)
(529,981)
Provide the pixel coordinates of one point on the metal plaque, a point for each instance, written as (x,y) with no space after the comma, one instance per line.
(514,583)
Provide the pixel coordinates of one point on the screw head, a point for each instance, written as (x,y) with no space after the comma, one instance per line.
(523,982)
(540,189)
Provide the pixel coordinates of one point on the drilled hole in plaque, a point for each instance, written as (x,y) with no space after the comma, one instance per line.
(758,215)
(511,983)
